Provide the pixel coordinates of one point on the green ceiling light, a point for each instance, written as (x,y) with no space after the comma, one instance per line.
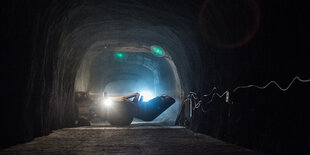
(119,55)
(157,50)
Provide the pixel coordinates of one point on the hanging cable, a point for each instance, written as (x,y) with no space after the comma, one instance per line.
(274,82)
(198,104)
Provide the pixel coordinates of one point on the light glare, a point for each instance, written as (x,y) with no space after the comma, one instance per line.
(119,55)
(157,50)
(147,95)
(107,102)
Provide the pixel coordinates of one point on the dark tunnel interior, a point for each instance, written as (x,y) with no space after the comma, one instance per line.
(54,48)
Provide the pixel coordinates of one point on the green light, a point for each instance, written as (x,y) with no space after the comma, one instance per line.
(119,55)
(157,51)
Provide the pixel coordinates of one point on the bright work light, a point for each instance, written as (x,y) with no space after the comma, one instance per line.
(147,95)
(107,102)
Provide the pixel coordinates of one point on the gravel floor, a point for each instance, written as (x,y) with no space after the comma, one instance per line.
(126,140)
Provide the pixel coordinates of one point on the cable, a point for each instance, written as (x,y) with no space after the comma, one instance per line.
(193,94)
(197,105)
(212,91)
(274,82)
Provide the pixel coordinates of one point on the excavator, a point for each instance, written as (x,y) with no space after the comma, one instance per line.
(120,111)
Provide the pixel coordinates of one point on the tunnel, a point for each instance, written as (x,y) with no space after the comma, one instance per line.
(238,70)
(119,73)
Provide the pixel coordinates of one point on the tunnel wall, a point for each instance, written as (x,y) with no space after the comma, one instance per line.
(46,41)
(43,78)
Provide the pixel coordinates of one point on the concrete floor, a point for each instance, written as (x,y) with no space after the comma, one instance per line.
(126,140)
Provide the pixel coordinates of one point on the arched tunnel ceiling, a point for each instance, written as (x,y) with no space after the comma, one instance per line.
(130,27)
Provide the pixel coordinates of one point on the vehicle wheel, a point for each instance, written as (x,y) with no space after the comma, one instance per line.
(120,114)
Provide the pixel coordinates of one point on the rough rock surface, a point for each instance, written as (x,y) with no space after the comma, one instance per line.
(126,140)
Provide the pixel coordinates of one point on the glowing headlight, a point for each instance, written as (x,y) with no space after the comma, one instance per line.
(147,95)
(107,102)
